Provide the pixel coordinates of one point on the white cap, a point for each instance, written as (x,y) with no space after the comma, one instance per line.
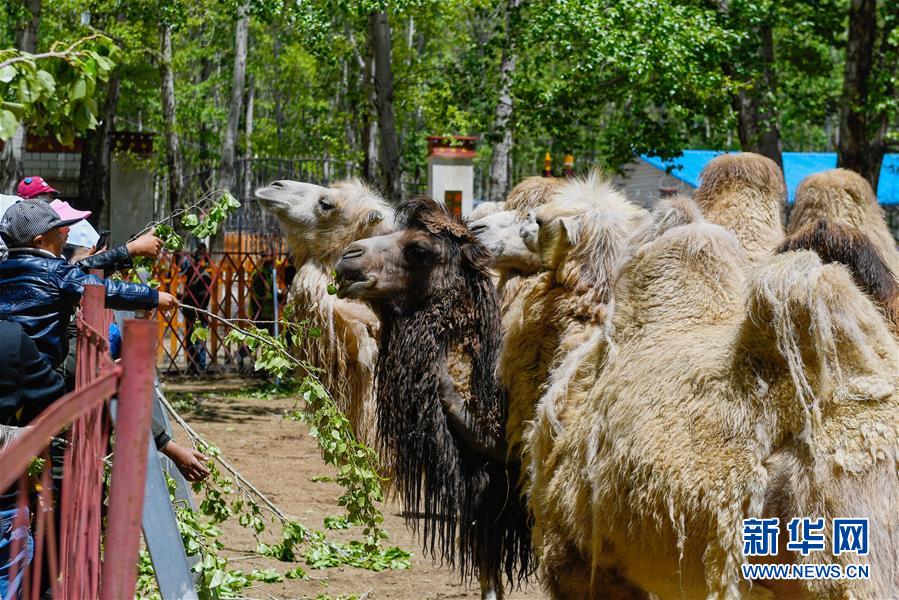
(83,234)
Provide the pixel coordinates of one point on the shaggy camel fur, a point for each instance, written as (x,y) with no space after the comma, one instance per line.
(745,193)
(440,339)
(484,209)
(319,222)
(835,242)
(725,393)
(845,197)
(531,192)
(579,236)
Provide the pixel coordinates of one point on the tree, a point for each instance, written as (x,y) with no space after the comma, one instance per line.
(869,90)
(502,119)
(235,107)
(389,151)
(170,120)
(13,154)
(94,175)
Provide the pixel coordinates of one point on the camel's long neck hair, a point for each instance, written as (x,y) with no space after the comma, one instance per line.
(471,513)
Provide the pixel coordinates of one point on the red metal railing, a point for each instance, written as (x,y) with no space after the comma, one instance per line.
(69,558)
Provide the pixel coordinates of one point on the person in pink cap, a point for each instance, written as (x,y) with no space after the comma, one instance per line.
(117,258)
(34,186)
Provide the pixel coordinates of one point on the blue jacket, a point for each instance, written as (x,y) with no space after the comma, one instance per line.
(40,292)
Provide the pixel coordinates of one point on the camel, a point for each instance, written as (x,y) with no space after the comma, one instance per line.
(498,228)
(485,209)
(745,193)
(835,242)
(725,391)
(578,236)
(844,197)
(436,384)
(319,222)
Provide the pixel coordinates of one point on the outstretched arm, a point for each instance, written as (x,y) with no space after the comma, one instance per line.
(464,425)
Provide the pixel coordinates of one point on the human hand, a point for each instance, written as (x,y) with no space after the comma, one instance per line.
(190,461)
(146,245)
(166,302)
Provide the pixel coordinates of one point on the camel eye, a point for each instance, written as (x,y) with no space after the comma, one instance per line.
(325,204)
(539,221)
(418,252)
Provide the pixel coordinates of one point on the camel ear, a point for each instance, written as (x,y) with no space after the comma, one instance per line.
(374,217)
(476,254)
(571,228)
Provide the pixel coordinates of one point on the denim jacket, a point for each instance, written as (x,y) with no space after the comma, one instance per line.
(41,291)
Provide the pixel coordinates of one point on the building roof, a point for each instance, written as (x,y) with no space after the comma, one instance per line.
(797,166)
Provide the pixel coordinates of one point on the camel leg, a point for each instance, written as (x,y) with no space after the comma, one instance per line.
(491,587)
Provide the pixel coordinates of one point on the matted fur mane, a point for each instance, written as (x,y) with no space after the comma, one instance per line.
(836,242)
(471,515)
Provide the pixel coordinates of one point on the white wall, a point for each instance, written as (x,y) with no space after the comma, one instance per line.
(641,183)
(130,197)
(451,174)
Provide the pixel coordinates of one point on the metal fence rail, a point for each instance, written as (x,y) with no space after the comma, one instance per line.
(70,536)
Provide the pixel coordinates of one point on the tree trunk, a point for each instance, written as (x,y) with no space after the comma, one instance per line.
(12,158)
(229,140)
(370,123)
(861,146)
(170,122)
(248,125)
(757,117)
(279,113)
(96,154)
(389,154)
(502,116)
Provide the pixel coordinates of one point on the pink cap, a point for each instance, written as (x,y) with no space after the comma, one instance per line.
(34,186)
(66,212)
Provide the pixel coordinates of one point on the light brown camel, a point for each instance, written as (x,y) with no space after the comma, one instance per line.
(579,236)
(725,393)
(441,410)
(319,222)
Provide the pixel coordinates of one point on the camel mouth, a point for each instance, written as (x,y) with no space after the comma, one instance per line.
(268,197)
(353,287)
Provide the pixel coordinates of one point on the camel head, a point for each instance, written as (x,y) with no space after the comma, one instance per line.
(580,234)
(320,222)
(425,258)
(500,233)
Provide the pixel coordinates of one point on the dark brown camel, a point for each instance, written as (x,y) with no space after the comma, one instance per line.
(441,411)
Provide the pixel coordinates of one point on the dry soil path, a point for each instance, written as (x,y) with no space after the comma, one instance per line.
(282,460)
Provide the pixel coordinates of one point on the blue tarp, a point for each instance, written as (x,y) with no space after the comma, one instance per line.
(797,166)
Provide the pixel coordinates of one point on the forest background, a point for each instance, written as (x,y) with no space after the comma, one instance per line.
(365,81)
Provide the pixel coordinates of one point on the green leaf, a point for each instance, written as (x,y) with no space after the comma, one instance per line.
(7,74)
(8,124)
(79,90)
(190,220)
(46,80)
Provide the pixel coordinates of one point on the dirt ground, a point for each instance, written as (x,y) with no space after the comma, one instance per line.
(282,460)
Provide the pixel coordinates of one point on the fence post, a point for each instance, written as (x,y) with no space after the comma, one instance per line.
(129,468)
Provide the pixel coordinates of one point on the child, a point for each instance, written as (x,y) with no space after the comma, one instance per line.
(40,290)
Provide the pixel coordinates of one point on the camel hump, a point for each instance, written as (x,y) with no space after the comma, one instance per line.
(843,182)
(827,336)
(744,170)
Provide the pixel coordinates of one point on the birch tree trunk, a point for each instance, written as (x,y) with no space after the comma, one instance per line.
(229,140)
(248,126)
(13,156)
(389,152)
(863,124)
(170,122)
(757,118)
(502,115)
(94,173)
